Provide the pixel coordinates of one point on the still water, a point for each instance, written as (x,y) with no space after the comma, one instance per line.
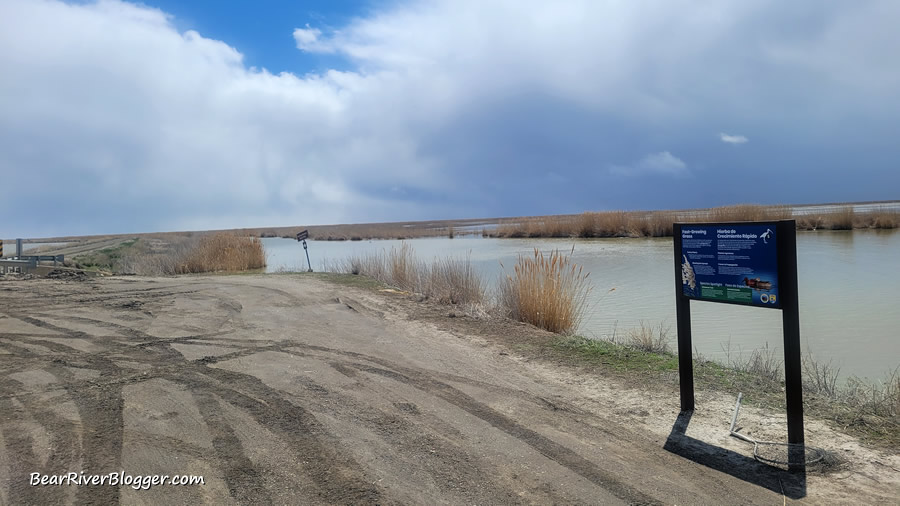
(849,290)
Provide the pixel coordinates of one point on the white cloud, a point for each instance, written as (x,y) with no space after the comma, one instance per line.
(109,100)
(733,139)
(309,39)
(662,163)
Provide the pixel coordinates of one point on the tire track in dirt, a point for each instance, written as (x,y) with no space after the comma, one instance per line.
(339,478)
(241,475)
(19,442)
(100,407)
(100,410)
(123,329)
(79,299)
(426,383)
(545,446)
(430,443)
(336,474)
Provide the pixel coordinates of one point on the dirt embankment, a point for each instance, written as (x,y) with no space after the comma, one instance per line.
(289,389)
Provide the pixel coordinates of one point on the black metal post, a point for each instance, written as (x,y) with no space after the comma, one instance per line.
(307,256)
(790,314)
(683,314)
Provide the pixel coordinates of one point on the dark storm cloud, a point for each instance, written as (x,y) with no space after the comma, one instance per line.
(113,121)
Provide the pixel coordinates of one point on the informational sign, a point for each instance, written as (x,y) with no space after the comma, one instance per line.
(733,263)
(302,236)
(748,263)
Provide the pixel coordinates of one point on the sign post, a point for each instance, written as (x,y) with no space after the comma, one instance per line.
(749,264)
(302,236)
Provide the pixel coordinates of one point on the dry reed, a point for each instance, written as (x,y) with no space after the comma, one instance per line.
(547,292)
(447,280)
(453,281)
(882,219)
(842,219)
(223,252)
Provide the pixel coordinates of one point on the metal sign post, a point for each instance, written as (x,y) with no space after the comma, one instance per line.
(750,264)
(302,236)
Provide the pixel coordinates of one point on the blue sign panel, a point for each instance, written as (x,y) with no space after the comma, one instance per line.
(732,263)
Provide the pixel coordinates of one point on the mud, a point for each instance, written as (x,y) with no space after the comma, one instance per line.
(291,390)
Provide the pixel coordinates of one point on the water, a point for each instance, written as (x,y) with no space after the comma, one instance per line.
(849,302)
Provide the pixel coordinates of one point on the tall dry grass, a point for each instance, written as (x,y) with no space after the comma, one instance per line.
(547,292)
(632,223)
(453,281)
(181,254)
(810,221)
(658,224)
(223,252)
(842,219)
(446,280)
(609,224)
(747,212)
(881,219)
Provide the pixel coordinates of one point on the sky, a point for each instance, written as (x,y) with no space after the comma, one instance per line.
(120,117)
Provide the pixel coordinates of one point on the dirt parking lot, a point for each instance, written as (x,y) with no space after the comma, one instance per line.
(292,390)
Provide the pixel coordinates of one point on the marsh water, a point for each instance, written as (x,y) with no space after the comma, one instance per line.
(849,291)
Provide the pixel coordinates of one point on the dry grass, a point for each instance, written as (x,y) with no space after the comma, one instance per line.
(875,398)
(223,252)
(589,224)
(820,378)
(747,212)
(174,254)
(547,292)
(649,338)
(810,221)
(447,280)
(842,219)
(882,219)
(658,224)
(846,218)
(613,223)
(610,224)
(762,363)
(632,223)
(454,281)
(403,269)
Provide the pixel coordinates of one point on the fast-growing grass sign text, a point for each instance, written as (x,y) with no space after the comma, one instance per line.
(731,263)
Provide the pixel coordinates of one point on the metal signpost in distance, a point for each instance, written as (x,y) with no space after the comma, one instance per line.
(750,264)
(302,236)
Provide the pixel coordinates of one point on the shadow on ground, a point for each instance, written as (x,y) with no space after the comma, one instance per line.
(790,484)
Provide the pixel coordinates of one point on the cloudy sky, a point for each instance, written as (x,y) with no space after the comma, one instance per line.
(165,115)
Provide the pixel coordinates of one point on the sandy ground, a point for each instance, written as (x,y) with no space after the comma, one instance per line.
(292,390)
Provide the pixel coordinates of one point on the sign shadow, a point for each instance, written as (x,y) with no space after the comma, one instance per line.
(780,481)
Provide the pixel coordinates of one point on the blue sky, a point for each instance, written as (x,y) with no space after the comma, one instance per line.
(263,31)
(129,117)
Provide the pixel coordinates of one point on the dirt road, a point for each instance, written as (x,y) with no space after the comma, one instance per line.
(292,390)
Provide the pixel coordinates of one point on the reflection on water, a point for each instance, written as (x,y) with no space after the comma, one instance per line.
(848,290)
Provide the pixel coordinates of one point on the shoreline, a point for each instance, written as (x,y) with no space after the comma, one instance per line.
(656,223)
(653,370)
